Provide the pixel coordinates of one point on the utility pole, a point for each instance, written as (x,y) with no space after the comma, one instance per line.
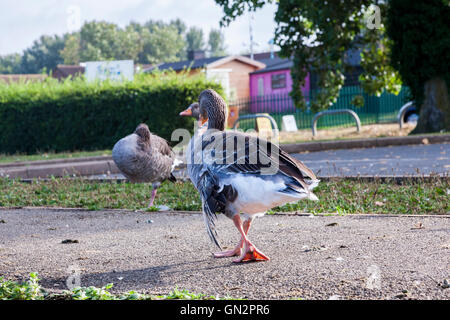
(271,41)
(251,17)
(252,42)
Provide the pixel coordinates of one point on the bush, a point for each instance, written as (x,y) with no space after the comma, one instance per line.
(78,115)
(29,290)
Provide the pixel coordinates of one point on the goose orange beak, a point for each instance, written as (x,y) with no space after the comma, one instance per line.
(186,113)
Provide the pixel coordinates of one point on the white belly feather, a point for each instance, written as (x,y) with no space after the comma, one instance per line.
(257,195)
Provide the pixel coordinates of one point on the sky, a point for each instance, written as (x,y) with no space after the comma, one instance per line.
(23,21)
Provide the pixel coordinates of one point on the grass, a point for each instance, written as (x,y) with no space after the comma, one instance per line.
(31,290)
(342,196)
(347,133)
(51,155)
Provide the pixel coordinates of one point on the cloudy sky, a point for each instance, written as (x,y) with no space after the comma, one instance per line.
(23,21)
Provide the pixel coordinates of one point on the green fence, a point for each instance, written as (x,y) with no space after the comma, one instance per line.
(382,109)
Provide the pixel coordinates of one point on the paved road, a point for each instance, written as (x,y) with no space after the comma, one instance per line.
(349,257)
(398,161)
(408,160)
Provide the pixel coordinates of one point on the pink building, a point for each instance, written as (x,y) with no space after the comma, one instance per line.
(270,87)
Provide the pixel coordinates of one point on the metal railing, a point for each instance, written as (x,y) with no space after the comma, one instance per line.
(323,113)
(382,109)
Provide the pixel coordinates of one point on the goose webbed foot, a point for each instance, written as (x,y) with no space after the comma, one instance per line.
(251,253)
(229,253)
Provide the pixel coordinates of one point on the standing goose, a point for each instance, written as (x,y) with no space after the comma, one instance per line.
(237,173)
(145,157)
(192,111)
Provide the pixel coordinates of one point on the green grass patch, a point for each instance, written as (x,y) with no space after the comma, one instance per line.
(31,290)
(342,196)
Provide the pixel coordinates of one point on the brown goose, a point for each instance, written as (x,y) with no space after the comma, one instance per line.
(239,174)
(192,111)
(144,157)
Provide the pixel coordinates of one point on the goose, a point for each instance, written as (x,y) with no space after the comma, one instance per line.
(192,111)
(145,157)
(241,175)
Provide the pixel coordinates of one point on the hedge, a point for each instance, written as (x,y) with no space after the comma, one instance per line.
(78,115)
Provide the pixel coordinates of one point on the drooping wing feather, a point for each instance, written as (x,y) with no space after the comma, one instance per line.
(161,145)
(207,188)
(241,153)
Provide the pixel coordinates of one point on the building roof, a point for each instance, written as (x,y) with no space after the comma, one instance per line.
(8,78)
(262,55)
(272,61)
(180,65)
(274,65)
(204,63)
(68,70)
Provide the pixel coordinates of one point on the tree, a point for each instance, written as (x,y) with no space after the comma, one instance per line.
(161,44)
(179,25)
(216,43)
(101,41)
(420,33)
(194,39)
(10,64)
(318,37)
(43,55)
(71,51)
(128,44)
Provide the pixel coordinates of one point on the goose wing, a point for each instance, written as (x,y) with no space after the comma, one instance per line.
(235,152)
(161,146)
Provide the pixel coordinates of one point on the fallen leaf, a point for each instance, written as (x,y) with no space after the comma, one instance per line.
(418,226)
(70,241)
(333,224)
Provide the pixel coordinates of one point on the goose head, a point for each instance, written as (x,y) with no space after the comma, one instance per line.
(143,132)
(214,107)
(211,107)
(192,111)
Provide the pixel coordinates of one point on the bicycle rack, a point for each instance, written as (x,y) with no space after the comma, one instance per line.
(323,113)
(402,112)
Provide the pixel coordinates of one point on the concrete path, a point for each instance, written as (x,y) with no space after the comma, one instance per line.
(337,257)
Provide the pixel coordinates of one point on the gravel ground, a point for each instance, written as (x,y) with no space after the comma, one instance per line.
(312,257)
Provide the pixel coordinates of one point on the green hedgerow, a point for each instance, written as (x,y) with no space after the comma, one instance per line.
(81,115)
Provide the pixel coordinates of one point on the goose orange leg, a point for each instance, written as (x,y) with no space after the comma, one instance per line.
(238,249)
(250,252)
(245,249)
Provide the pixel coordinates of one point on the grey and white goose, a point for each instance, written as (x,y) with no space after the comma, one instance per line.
(236,174)
(145,157)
